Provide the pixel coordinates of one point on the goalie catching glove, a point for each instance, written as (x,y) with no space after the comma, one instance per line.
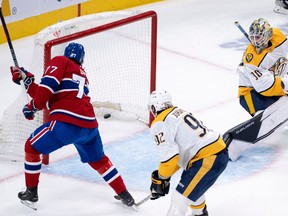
(159,187)
(29,110)
(19,74)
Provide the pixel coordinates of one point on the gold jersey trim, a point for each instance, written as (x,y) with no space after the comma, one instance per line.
(163,115)
(251,57)
(208,150)
(168,168)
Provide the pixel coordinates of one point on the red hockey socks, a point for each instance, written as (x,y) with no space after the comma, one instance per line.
(32,165)
(109,173)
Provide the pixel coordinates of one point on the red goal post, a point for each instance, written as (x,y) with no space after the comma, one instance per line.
(120,62)
(126,21)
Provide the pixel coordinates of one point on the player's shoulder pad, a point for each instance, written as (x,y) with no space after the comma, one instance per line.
(250,55)
(278,38)
(61,59)
(162,116)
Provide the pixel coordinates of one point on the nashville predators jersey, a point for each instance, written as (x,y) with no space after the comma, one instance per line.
(259,74)
(182,139)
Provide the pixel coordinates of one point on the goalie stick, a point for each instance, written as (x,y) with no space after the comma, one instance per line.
(242,30)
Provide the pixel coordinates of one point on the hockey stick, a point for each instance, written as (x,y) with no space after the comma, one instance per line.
(242,30)
(107,104)
(117,197)
(114,109)
(12,51)
(143,200)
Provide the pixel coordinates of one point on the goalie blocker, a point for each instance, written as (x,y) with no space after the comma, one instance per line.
(257,129)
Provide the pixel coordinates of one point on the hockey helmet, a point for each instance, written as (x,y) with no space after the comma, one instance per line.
(159,101)
(260,32)
(75,51)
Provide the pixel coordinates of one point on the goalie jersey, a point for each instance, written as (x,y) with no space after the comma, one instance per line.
(64,78)
(182,139)
(260,82)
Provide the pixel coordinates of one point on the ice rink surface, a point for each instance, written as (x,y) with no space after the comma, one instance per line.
(199,48)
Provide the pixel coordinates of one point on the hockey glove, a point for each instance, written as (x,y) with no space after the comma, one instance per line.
(19,74)
(29,110)
(159,187)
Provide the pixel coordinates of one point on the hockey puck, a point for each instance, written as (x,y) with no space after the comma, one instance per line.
(106,116)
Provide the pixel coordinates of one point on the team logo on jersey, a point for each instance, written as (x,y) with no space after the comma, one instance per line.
(279,67)
(249,57)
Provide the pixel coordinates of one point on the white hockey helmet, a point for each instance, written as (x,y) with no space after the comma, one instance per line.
(159,101)
(260,32)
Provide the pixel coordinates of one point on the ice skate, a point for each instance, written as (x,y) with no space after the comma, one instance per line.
(205,212)
(125,198)
(29,197)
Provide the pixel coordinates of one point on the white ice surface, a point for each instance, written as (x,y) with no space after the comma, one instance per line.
(199,49)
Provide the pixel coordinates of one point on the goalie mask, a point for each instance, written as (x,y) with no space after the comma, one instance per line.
(75,52)
(260,32)
(159,101)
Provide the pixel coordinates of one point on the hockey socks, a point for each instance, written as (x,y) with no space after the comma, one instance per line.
(109,173)
(32,165)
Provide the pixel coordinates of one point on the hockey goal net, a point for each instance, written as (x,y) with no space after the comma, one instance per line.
(120,62)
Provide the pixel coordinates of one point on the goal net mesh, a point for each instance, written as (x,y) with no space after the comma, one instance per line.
(119,62)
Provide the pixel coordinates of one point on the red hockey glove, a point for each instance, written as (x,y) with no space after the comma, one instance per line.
(19,74)
(16,74)
(29,110)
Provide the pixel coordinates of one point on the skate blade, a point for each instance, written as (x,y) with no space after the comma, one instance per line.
(31,205)
(135,207)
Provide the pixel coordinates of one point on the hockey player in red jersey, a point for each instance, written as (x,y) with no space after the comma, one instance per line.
(184,143)
(63,90)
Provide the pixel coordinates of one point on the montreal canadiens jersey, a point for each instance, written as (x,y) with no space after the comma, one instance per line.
(261,72)
(182,139)
(63,90)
